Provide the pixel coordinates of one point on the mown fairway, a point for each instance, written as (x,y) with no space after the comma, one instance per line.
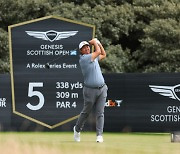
(62,143)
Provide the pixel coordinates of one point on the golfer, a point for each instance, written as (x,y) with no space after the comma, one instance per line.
(94,90)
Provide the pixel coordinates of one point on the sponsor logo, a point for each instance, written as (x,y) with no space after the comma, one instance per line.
(73,53)
(116,103)
(172,92)
(2,102)
(51,35)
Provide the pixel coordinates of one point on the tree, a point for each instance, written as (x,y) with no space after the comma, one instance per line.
(117,60)
(158,23)
(4,54)
(161,47)
(17,11)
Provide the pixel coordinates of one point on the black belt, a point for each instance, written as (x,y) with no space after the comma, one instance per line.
(95,87)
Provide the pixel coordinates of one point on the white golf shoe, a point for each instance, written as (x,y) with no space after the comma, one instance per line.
(99,139)
(76,135)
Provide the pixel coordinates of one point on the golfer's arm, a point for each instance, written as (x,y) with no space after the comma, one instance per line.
(103,52)
(97,51)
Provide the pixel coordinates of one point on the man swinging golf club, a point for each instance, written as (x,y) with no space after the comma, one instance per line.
(94,90)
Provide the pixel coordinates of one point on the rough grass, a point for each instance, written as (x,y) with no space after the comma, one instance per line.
(62,143)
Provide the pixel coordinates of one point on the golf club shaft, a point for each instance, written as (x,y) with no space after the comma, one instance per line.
(58,57)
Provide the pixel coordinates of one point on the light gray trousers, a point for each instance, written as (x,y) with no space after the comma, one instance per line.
(93,97)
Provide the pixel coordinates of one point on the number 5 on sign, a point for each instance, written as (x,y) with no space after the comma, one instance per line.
(32,93)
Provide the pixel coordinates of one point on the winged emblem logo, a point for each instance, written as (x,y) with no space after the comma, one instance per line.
(172,92)
(51,35)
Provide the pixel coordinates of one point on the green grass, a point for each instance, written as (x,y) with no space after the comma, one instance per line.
(62,143)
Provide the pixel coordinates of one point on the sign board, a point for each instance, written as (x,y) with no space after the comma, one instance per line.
(146,102)
(5,103)
(46,79)
(136,102)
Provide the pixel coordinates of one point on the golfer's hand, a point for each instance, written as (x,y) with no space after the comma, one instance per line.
(97,41)
(92,42)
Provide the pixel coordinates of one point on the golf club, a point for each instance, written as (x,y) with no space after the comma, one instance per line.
(47,65)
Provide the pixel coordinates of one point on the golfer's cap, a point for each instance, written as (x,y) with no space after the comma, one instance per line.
(83,43)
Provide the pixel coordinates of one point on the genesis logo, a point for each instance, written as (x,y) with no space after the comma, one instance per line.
(51,35)
(172,92)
